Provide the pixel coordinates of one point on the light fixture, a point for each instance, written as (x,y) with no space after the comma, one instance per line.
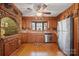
(39,14)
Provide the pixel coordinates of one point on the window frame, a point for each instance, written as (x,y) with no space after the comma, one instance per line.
(36,25)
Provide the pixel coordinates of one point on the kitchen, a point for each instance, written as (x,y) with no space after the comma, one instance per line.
(33,29)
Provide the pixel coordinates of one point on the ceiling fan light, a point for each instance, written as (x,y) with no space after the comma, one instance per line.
(39,14)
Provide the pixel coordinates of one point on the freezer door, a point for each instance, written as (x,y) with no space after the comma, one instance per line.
(68,22)
(64,25)
(59,27)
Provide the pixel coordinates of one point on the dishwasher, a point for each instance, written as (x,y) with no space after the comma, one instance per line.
(48,37)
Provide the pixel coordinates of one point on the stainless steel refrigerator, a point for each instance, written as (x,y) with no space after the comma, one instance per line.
(65,35)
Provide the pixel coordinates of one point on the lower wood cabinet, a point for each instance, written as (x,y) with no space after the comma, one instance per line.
(36,38)
(10,44)
(1,48)
(24,37)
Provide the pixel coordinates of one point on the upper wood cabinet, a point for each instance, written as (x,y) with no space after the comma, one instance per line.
(27,22)
(72,10)
(11,8)
(76,6)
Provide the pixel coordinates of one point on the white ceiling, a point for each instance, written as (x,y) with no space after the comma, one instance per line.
(54,8)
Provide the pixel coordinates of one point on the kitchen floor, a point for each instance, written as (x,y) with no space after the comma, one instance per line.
(38,49)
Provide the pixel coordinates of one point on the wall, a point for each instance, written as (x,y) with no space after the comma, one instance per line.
(38,36)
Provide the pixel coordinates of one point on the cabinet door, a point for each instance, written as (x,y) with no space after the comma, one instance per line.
(24,38)
(7,49)
(1,48)
(0,51)
(10,47)
(76,20)
(39,38)
(13,44)
(76,5)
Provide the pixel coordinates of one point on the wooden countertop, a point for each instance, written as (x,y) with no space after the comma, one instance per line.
(39,32)
(6,38)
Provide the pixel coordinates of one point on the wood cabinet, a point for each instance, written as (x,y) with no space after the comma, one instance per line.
(76,34)
(1,48)
(71,10)
(11,11)
(10,44)
(36,37)
(76,6)
(31,36)
(24,37)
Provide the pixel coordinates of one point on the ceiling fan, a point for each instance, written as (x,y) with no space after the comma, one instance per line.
(39,8)
(42,8)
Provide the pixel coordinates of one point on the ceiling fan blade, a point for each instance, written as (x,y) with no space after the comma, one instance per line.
(29,9)
(46,12)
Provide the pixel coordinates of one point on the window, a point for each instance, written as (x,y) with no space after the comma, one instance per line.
(45,26)
(33,26)
(39,26)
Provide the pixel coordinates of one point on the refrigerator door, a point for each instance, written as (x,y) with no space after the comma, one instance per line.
(64,36)
(67,36)
(59,30)
(60,40)
(66,43)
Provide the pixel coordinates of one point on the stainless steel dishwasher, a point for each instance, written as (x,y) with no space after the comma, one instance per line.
(48,37)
